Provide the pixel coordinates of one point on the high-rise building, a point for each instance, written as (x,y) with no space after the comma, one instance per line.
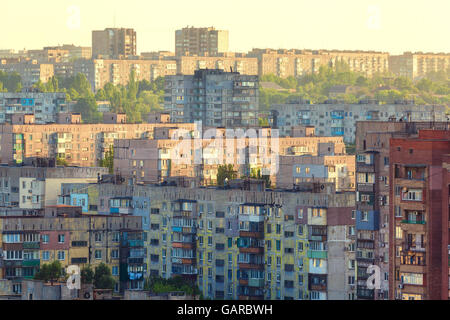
(200,41)
(215,97)
(419,211)
(114,42)
(372,214)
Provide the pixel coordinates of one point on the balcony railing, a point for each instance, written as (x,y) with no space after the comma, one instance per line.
(413,221)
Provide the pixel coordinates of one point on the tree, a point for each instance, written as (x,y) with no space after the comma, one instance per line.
(256,174)
(225,172)
(103,278)
(108,162)
(49,272)
(87,106)
(87,275)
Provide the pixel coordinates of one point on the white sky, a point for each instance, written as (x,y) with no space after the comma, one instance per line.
(384,25)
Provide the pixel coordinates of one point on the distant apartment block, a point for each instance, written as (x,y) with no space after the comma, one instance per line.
(295,63)
(78,144)
(155,160)
(418,64)
(215,97)
(100,72)
(30,71)
(187,65)
(34,188)
(335,119)
(114,42)
(200,41)
(44,106)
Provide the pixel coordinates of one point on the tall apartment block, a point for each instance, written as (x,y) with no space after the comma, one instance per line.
(114,42)
(200,41)
(373,185)
(418,64)
(215,97)
(419,210)
(334,119)
(244,242)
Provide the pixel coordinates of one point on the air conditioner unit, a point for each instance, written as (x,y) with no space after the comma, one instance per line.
(400,286)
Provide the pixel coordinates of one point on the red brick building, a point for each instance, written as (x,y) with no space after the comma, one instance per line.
(418,253)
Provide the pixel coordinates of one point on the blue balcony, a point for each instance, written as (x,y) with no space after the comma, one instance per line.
(371,222)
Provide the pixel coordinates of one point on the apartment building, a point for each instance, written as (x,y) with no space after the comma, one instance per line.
(200,41)
(295,63)
(336,119)
(117,71)
(43,105)
(30,71)
(114,42)
(34,188)
(419,252)
(372,214)
(187,65)
(418,64)
(64,234)
(242,242)
(164,156)
(74,52)
(78,144)
(215,97)
(326,167)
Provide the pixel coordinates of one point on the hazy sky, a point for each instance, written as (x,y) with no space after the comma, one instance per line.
(383,25)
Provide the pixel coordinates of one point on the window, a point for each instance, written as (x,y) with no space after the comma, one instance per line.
(300,213)
(364,216)
(300,229)
(46,255)
(45,238)
(61,238)
(278,244)
(61,255)
(116,237)
(115,270)
(412,278)
(98,237)
(98,254)
(115,254)
(398,233)
(412,195)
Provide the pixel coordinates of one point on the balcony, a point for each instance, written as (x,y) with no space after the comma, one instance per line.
(251,234)
(413,222)
(256,282)
(315,254)
(365,187)
(256,266)
(135,243)
(317,287)
(256,250)
(31,245)
(31,263)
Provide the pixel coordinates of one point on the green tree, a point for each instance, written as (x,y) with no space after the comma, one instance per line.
(103,278)
(108,162)
(87,275)
(225,172)
(50,272)
(87,106)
